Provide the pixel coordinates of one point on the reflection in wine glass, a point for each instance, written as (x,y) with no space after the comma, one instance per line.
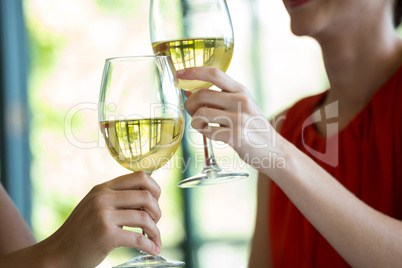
(144,128)
(143,144)
(215,52)
(195,33)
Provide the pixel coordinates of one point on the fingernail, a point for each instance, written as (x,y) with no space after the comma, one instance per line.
(180,72)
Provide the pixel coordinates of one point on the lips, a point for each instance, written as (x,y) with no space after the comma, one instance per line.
(297,3)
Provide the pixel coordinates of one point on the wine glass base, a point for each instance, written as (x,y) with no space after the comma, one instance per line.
(212,177)
(145,260)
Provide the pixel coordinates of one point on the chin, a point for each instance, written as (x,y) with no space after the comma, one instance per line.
(299,30)
(308,20)
(305,27)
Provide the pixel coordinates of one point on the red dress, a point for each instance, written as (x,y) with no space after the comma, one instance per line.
(365,156)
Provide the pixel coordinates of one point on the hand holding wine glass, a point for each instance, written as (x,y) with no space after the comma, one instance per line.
(246,130)
(94,226)
(93,229)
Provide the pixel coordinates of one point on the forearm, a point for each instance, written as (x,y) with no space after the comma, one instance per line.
(14,231)
(362,236)
(260,246)
(36,256)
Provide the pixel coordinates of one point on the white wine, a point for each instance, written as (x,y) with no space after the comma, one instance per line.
(144,144)
(196,52)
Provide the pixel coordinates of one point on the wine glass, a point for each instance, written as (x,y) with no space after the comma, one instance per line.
(141,120)
(195,33)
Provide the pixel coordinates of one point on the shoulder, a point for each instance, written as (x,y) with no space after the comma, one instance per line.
(387,99)
(391,89)
(297,113)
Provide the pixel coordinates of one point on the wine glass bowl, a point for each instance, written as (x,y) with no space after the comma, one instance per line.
(142,144)
(196,52)
(195,33)
(199,33)
(141,119)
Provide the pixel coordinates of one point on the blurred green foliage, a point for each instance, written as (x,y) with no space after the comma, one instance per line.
(44,51)
(124,8)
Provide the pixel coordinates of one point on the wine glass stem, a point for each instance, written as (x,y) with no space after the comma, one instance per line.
(210,162)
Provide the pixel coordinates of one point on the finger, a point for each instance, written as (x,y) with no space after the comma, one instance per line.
(134,181)
(137,199)
(139,241)
(138,219)
(206,115)
(212,75)
(218,134)
(210,98)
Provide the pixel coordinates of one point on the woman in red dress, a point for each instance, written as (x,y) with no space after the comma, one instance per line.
(334,198)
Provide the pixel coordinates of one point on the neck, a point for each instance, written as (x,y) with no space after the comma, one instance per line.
(359,61)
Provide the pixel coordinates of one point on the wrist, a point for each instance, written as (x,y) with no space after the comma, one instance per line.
(46,255)
(276,158)
(51,254)
(35,256)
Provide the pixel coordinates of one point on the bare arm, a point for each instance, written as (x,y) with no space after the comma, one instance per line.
(260,247)
(363,236)
(260,255)
(14,232)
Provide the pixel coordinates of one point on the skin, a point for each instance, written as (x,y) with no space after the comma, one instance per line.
(92,230)
(353,44)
